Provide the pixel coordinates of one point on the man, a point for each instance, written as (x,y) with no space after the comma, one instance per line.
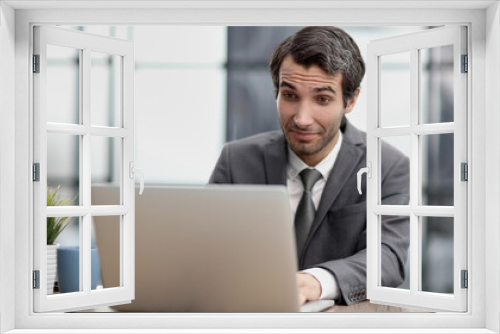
(317,74)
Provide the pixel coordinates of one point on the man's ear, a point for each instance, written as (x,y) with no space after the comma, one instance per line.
(352,101)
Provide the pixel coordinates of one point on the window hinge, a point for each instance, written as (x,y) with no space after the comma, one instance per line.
(36,172)
(36,279)
(465,64)
(465,279)
(464,171)
(36,63)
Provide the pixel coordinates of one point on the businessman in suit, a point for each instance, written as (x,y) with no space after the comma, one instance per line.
(317,74)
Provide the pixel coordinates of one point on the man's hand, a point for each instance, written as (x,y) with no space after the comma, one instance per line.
(309,288)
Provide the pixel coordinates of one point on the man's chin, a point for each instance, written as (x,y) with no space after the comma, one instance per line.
(303,149)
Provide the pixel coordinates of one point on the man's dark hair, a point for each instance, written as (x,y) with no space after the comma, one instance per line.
(330,48)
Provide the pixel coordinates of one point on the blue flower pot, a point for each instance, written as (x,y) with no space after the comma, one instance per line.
(68,268)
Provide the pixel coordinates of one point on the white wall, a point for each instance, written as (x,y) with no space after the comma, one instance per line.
(7,159)
(492,162)
(382,321)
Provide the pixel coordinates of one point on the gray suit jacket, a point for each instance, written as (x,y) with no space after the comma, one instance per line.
(337,241)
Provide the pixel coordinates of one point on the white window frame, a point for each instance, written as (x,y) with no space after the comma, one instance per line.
(415,210)
(484,50)
(86,43)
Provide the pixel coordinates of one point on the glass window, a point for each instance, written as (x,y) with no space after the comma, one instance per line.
(436,147)
(67,262)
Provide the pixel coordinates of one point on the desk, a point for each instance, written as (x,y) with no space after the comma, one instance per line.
(367,307)
(362,307)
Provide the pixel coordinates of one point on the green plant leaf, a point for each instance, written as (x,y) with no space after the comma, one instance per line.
(55,225)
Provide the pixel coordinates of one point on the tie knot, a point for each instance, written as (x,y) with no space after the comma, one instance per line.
(309,177)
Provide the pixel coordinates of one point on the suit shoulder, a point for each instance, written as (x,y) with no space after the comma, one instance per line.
(244,160)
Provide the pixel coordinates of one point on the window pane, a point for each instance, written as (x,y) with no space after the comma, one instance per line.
(63,167)
(63,84)
(436,65)
(394,231)
(107,168)
(106,89)
(437,254)
(107,253)
(437,169)
(395,90)
(68,253)
(402,144)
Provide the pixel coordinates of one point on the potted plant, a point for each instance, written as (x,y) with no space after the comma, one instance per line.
(55,225)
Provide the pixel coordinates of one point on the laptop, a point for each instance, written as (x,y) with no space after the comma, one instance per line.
(216,248)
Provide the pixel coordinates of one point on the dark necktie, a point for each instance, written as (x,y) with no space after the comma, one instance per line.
(304,216)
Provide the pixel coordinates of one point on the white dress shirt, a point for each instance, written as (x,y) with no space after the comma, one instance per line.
(329,286)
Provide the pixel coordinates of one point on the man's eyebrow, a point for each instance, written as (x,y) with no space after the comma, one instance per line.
(316,90)
(286,84)
(327,88)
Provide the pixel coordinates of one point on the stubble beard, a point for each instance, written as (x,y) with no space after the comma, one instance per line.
(308,149)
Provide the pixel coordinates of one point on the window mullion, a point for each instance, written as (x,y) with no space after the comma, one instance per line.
(415,232)
(432,129)
(86,298)
(109,210)
(392,131)
(421,129)
(372,152)
(109,132)
(69,129)
(80,130)
(85,170)
(403,210)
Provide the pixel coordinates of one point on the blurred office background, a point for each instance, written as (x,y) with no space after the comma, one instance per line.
(199,87)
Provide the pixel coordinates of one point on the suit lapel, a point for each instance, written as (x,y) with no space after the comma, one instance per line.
(275,159)
(346,164)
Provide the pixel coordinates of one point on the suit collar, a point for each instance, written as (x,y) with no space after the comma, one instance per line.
(353,135)
(276,156)
(351,152)
(296,165)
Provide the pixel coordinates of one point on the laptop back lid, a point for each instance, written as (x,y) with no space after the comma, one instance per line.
(219,248)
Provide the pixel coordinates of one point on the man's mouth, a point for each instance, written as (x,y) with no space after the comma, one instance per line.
(304,135)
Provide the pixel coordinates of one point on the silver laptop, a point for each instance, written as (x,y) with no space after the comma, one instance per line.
(220,248)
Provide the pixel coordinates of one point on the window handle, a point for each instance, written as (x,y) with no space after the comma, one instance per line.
(368,171)
(134,170)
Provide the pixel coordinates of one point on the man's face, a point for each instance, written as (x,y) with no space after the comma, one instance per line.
(310,109)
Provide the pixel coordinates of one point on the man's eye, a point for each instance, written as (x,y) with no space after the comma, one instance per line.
(289,96)
(323,99)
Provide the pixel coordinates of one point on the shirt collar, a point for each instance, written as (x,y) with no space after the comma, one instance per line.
(296,165)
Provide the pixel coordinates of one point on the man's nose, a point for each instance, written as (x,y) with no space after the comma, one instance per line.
(303,116)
